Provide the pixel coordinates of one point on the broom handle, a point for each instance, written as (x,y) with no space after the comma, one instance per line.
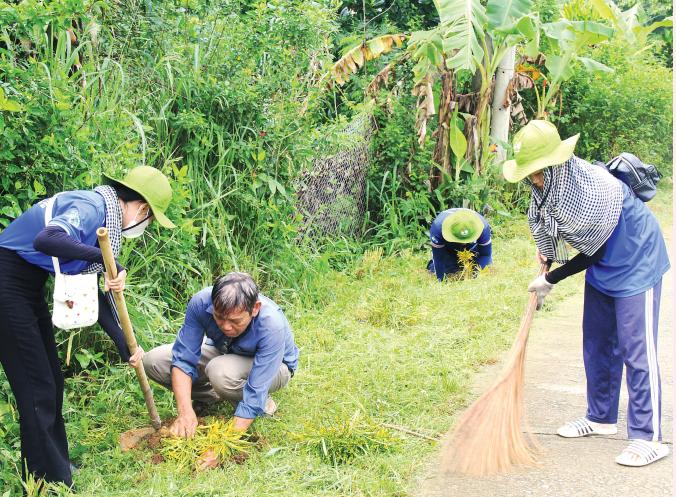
(530,310)
(127,329)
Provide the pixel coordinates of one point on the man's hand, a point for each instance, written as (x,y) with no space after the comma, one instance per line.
(208,460)
(116,284)
(541,287)
(184,425)
(539,258)
(137,357)
(186,422)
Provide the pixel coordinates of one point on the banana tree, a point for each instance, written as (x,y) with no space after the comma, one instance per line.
(460,43)
(627,23)
(568,39)
(509,23)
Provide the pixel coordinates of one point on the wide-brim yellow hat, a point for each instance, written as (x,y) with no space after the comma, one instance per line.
(153,186)
(537,146)
(462,226)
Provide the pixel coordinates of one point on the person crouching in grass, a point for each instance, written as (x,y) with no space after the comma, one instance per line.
(235,345)
(454,231)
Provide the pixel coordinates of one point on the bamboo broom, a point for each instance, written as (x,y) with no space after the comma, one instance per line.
(488,437)
(125,323)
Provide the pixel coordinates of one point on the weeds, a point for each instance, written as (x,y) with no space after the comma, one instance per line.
(343,441)
(217,438)
(469,266)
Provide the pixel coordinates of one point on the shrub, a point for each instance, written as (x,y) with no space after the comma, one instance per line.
(628,110)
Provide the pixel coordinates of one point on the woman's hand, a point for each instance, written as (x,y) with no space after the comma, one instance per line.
(137,357)
(541,287)
(116,284)
(539,258)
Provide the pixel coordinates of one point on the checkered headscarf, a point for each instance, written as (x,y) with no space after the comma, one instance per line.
(579,204)
(113,223)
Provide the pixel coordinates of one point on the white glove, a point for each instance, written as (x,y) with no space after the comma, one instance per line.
(541,287)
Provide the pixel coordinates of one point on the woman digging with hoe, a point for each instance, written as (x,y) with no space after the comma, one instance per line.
(58,235)
(622,249)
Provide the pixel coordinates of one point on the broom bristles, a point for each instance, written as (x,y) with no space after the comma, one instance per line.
(488,437)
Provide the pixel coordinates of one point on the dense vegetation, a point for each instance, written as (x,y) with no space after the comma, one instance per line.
(230,99)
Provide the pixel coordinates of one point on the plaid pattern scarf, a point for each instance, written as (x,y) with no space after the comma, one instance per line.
(113,223)
(579,204)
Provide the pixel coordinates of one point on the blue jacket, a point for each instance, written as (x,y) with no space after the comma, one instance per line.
(268,339)
(79,213)
(636,256)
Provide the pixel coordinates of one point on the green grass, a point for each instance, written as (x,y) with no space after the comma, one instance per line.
(387,345)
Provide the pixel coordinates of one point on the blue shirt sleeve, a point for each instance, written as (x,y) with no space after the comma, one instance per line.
(445,261)
(188,345)
(436,237)
(484,243)
(78,219)
(266,364)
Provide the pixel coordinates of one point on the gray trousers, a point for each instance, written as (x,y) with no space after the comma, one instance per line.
(219,376)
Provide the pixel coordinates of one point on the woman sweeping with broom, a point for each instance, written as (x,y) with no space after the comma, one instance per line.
(621,247)
(58,235)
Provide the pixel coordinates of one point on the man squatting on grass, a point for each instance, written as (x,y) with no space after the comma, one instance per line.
(235,345)
(621,247)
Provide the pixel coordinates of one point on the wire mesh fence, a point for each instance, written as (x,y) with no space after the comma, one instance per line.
(331,196)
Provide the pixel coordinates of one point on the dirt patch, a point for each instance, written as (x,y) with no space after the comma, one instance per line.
(146,435)
(131,438)
(146,438)
(240,458)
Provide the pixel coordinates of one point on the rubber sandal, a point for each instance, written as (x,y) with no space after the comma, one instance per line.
(270,407)
(582,427)
(641,453)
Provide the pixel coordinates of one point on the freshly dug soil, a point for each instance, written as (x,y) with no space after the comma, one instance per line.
(149,438)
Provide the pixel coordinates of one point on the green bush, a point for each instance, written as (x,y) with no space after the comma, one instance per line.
(628,110)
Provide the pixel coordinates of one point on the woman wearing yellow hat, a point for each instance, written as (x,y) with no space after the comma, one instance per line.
(621,247)
(454,230)
(60,234)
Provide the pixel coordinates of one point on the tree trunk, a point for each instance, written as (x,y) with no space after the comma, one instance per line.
(501,106)
(442,155)
(476,131)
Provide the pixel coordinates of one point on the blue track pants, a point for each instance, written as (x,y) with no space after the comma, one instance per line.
(617,332)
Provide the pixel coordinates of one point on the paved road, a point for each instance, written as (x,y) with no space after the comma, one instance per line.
(555,392)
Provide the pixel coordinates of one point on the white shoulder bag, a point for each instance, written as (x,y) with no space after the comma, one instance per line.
(76,301)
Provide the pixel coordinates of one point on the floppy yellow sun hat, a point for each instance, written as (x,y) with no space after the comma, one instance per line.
(153,186)
(537,145)
(462,226)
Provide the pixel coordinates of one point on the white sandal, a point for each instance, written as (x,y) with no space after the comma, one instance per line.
(642,453)
(582,427)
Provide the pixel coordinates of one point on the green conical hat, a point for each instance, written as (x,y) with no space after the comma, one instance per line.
(153,186)
(462,226)
(536,146)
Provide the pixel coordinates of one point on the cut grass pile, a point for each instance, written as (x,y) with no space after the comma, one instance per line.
(215,439)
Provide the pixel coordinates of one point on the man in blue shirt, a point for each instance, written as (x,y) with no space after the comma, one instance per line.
(235,344)
(453,231)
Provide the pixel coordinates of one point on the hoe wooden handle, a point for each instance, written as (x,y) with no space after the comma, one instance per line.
(125,323)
